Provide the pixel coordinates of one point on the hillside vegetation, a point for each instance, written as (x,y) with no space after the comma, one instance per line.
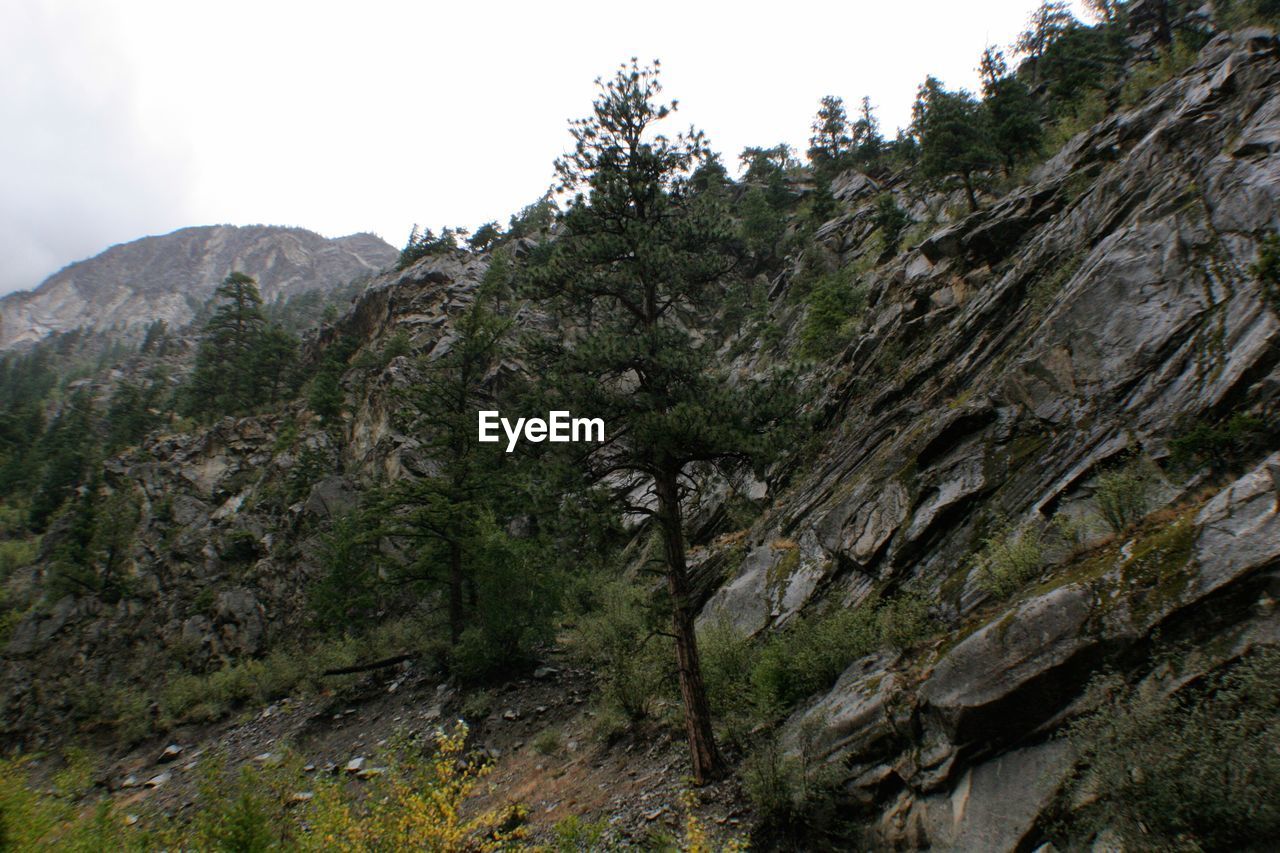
(937,505)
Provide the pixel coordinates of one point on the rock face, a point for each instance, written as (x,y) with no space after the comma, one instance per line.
(1086,317)
(170,277)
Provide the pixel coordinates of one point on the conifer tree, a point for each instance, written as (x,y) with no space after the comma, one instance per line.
(953,135)
(633,272)
(1045,26)
(830,142)
(69,450)
(867,141)
(242,361)
(444,508)
(1011,113)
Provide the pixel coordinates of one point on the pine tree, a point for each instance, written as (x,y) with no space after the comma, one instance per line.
(830,142)
(634,271)
(444,508)
(224,379)
(272,361)
(69,451)
(867,141)
(1045,26)
(1011,112)
(953,135)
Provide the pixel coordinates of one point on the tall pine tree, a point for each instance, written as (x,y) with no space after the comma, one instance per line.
(634,272)
(442,510)
(242,362)
(954,137)
(831,142)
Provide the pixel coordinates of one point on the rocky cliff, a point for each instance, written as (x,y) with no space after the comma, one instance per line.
(171,276)
(1082,320)
(1011,367)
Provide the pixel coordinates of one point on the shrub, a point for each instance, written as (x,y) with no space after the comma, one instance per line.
(418,805)
(238,814)
(547,742)
(792,791)
(1238,14)
(1195,771)
(892,221)
(751,685)
(575,835)
(1222,447)
(421,802)
(15,554)
(696,837)
(1123,496)
(1009,557)
(377,360)
(1167,64)
(618,639)
(32,819)
(833,303)
(811,655)
(727,659)
(477,705)
(904,620)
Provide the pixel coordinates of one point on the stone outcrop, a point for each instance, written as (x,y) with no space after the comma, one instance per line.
(1089,316)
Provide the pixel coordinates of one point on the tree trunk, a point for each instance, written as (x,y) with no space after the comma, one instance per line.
(968,191)
(703,753)
(1163,26)
(455,592)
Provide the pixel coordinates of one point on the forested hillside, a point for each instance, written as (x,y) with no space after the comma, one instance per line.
(937,505)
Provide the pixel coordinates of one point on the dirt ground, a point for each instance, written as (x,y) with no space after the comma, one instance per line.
(538,731)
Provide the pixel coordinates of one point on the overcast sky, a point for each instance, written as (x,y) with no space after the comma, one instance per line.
(121,118)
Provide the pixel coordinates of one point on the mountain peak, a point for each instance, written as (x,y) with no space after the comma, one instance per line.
(169,276)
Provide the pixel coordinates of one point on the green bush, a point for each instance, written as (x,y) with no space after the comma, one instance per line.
(1222,447)
(547,742)
(1123,496)
(751,685)
(904,620)
(797,663)
(892,221)
(377,360)
(575,835)
(1166,65)
(1267,270)
(15,554)
(618,639)
(1009,557)
(239,814)
(834,303)
(1195,771)
(791,790)
(1237,14)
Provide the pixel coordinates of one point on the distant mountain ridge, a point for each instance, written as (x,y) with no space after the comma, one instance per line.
(169,277)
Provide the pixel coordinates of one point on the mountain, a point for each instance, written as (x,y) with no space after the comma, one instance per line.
(1014,589)
(171,276)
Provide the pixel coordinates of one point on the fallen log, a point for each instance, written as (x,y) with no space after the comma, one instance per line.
(367,667)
